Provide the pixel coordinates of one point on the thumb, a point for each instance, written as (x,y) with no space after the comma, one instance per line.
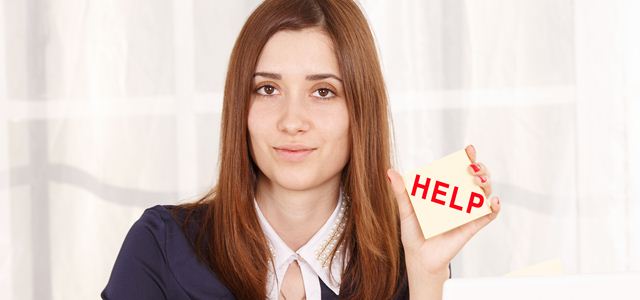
(411,233)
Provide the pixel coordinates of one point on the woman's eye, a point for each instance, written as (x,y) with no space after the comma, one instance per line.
(267,90)
(324,93)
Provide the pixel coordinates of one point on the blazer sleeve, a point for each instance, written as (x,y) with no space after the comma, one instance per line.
(140,270)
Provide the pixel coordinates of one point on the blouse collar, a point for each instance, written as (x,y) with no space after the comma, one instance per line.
(313,256)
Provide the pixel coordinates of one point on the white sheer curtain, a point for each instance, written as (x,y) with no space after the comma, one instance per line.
(109,107)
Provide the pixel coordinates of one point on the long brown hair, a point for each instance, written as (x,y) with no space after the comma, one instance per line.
(230,239)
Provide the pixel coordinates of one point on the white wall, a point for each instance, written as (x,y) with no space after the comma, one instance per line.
(109,107)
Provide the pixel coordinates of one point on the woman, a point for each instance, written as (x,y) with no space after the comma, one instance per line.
(306,205)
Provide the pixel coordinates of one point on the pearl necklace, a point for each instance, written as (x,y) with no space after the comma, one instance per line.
(327,246)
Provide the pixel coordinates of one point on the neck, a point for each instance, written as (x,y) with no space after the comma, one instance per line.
(296,215)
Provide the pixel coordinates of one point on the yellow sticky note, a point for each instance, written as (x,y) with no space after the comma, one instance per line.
(444,194)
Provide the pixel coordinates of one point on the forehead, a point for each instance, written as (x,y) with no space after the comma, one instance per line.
(299,52)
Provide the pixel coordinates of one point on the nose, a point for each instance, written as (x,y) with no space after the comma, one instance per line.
(294,118)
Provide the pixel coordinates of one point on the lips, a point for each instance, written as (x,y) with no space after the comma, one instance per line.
(293,153)
(294,147)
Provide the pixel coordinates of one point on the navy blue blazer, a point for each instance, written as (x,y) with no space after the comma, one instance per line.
(157,261)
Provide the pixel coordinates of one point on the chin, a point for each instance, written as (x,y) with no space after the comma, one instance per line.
(296,182)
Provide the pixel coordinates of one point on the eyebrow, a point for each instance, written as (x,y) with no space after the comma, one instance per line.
(308,77)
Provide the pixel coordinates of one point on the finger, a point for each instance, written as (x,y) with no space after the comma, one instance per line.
(481,222)
(462,234)
(477,169)
(483,168)
(484,182)
(495,206)
(412,235)
(471,153)
(467,231)
(400,192)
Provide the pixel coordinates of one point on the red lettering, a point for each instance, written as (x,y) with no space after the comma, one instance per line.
(453,199)
(424,187)
(440,189)
(437,191)
(475,204)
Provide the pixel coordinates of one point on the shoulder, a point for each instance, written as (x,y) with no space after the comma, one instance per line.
(149,231)
(153,226)
(167,214)
(162,219)
(154,219)
(139,270)
(169,229)
(157,261)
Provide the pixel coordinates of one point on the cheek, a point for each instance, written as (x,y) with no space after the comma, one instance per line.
(256,128)
(345,143)
(339,130)
(252,117)
(261,115)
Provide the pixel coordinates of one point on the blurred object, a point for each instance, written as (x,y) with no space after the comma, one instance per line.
(619,286)
(546,268)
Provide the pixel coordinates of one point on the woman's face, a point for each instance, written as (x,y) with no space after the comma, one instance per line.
(298,120)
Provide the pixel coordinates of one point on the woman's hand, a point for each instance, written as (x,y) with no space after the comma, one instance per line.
(427,260)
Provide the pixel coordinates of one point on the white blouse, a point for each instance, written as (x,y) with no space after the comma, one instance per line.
(313,257)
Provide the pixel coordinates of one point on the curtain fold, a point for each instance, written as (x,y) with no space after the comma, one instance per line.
(110,107)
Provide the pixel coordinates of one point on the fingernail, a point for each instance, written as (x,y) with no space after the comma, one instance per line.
(475,168)
(482,179)
(472,147)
